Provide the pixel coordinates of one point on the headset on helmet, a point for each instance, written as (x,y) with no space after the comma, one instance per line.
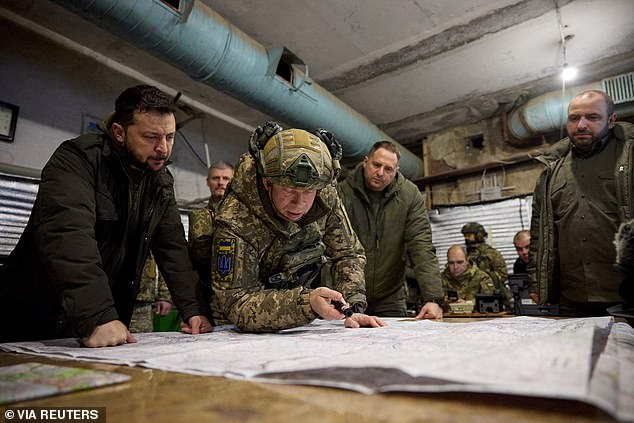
(475,228)
(295,157)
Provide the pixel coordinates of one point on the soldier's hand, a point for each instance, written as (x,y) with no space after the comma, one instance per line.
(109,334)
(197,324)
(320,301)
(430,310)
(359,320)
(163,307)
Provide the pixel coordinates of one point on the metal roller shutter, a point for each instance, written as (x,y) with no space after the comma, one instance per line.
(501,219)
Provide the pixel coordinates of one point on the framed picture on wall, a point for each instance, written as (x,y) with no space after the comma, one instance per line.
(8,121)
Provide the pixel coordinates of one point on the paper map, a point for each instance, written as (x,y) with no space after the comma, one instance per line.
(590,360)
(20,382)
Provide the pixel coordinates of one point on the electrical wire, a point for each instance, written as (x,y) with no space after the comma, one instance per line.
(565,63)
(193,151)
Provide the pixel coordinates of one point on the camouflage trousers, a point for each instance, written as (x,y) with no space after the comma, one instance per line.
(142,317)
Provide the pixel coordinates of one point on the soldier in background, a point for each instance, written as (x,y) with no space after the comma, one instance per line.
(522,243)
(200,231)
(463,276)
(275,228)
(486,257)
(153,297)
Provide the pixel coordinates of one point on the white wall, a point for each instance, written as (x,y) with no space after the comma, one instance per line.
(58,91)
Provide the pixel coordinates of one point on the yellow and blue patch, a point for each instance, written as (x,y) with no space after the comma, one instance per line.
(225,258)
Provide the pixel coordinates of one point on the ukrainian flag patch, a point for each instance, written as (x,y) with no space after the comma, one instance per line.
(225,258)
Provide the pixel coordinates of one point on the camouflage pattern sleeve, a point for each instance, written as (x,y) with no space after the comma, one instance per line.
(344,250)
(485,283)
(241,295)
(499,265)
(502,273)
(199,240)
(163,293)
(147,285)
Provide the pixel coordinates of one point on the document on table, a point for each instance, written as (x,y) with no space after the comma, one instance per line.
(24,381)
(589,359)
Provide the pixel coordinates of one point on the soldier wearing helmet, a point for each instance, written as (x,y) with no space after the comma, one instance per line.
(279,223)
(486,257)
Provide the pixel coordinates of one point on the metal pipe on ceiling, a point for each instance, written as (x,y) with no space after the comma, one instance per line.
(198,41)
(549,112)
(544,113)
(118,67)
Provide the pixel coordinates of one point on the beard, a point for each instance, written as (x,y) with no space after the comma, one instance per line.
(596,144)
(143,162)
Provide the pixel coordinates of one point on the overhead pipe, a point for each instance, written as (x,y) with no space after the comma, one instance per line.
(544,113)
(118,67)
(201,43)
(549,112)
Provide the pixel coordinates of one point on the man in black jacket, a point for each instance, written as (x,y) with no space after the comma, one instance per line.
(104,202)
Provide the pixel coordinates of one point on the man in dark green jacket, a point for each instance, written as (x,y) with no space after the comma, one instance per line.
(582,196)
(104,201)
(388,214)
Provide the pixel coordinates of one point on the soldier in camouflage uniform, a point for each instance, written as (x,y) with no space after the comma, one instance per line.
(486,257)
(201,227)
(201,221)
(463,276)
(151,295)
(281,220)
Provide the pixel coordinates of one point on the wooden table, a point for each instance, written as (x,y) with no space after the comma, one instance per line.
(155,396)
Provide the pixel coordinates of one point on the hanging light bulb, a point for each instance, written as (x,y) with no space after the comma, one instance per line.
(568,73)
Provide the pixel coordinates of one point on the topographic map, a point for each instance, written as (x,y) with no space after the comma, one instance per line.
(590,359)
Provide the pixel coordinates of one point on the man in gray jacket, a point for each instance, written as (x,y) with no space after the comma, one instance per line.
(581,197)
(387,212)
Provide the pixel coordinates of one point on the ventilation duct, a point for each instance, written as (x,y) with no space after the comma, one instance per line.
(620,88)
(548,112)
(195,39)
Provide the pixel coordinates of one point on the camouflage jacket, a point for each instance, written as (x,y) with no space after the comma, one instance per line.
(491,261)
(473,281)
(199,240)
(253,247)
(149,290)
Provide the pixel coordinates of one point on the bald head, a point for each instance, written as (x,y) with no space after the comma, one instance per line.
(457,261)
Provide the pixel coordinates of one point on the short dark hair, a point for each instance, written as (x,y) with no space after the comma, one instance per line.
(140,98)
(520,233)
(608,100)
(388,145)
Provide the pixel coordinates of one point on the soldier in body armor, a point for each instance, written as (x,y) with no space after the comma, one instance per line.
(281,220)
(486,257)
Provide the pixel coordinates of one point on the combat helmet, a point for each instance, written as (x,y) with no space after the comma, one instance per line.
(475,228)
(296,158)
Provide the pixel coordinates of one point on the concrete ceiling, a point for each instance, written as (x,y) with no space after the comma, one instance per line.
(412,67)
